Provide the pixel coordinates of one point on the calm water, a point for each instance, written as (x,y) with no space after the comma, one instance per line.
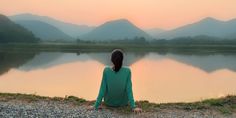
(156,77)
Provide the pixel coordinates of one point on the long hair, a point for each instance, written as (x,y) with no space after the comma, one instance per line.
(117,59)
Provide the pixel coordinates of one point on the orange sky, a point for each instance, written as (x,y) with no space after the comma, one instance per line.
(165,14)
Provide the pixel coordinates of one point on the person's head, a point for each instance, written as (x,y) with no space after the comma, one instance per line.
(117,59)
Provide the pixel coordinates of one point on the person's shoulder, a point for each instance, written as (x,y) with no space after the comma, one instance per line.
(126,68)
(106,68)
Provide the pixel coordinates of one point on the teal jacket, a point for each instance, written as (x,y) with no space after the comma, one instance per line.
(116,88)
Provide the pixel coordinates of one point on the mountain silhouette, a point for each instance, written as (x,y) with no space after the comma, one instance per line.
(115,30)
(11,32)
(70,29)
(44,31)
(207,26)
(155,32)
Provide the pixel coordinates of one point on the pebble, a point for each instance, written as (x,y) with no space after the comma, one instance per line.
(54,109)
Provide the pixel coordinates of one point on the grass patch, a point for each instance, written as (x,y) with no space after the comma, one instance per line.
(75,100)
(214,102)
(35,98)
(225,105)
(226,111)
(18,96)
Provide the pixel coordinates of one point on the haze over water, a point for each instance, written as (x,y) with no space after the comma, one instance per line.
(156,77)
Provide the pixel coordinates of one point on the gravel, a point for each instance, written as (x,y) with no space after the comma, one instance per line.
(57,109)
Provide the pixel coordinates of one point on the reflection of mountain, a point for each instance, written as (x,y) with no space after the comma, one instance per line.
(42,60)
(208,63)
(13,60)
(47,59)
(129,58)
(50,59)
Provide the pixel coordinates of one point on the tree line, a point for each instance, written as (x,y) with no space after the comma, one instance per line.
(196,40)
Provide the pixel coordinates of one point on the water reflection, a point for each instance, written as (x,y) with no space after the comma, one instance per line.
(168,80)
(50,59)
(77,78)
(157,78)
(207,63)
(13,60)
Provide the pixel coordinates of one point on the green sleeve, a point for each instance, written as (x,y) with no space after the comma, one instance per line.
(130,91)
(101,91)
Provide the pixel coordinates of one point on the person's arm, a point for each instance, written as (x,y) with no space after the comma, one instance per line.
(101,91)
(130,91)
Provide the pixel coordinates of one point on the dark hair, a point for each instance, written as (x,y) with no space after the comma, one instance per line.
(117,59)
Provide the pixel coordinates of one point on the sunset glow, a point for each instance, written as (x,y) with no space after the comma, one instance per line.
(165,14)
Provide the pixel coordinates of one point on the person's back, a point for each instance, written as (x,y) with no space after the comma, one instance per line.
(116,85)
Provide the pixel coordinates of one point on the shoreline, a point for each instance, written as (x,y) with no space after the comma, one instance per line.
(104,47)
(21,105)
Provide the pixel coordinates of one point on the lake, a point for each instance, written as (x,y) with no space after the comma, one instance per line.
(156,77)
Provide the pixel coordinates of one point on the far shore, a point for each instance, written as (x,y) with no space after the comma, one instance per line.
(201,49)
(42,105)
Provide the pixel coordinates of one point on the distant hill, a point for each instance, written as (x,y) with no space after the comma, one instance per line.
(155,32)
(11,32)
(123,29)
(114,30)
(208,26)
(44,31)
(70,29)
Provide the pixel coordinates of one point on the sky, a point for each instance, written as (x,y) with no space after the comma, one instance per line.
(146,14)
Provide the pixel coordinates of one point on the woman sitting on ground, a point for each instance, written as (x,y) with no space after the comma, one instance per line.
(116,85)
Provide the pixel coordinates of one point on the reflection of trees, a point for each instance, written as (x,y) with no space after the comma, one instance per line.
(10,60)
